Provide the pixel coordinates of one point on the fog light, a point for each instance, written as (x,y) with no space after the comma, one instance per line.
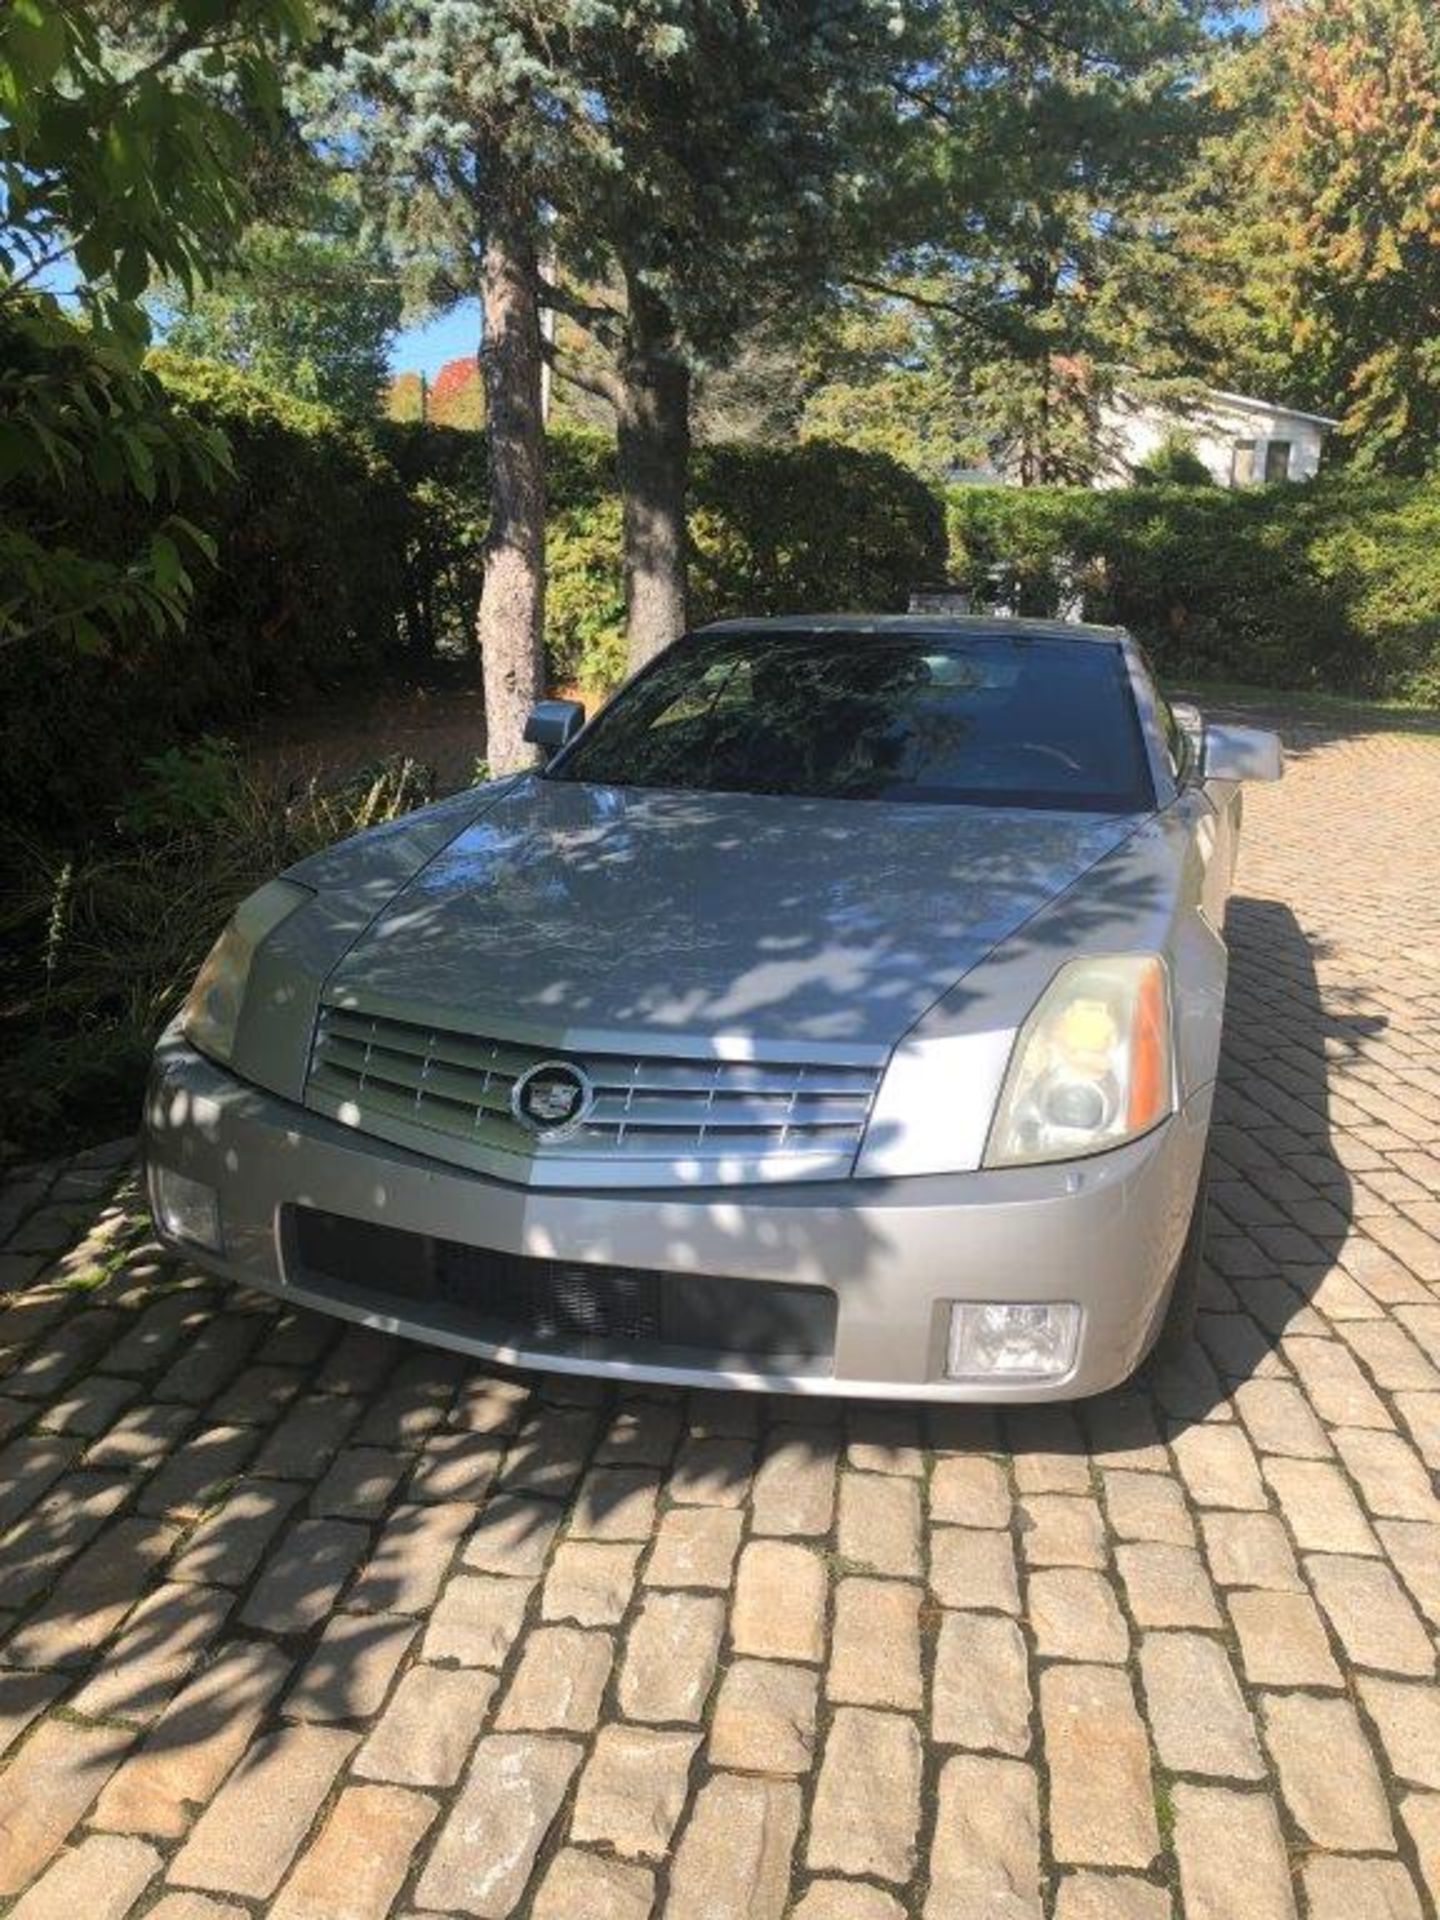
(185,1209)
(995,1340)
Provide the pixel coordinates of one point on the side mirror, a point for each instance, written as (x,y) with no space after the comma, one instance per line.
(1242,753)
(554,723)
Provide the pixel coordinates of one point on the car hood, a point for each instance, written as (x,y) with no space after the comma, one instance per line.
(585,916)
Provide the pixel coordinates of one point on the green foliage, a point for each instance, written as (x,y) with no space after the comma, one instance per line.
(186,789)
(1174,463)
(79,423)
(584,598)
(1357,170)
(1309,230)
(120,161)
(786,530)
(1031,533)
(309,313)
(444,473)
(879,377)
(1334,586)
(161,185)
(332,554)
(99,939)
(718,156)
(1025,227)
(773,530)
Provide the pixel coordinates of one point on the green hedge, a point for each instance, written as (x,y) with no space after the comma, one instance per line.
(1333,586)
(340,552)
(813,527)
(310,524)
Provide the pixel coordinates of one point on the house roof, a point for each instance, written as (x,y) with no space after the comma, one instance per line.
(1270,406)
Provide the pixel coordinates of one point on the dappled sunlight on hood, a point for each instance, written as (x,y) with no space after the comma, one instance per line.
(776,918)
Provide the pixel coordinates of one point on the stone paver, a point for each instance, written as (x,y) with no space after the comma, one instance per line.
(299,1620)
(1327,1775)
(981,1693)
(867,1802)
(670,1660)
(734,1858)
(764,1718)
(483,1856)
(986,1854)
(429,1727)
(779,1609)
(102,1878)
(47,1787)
(589,1581)
(1102,1808)
(246,1838)
(1198,1718)
(633,1790)
(194,1744)
(1282,1640)
(602,1889)
(559,1681)
(356,1864)
(1075,1615)
(1232,1856)
(349,1673)
(875,1659)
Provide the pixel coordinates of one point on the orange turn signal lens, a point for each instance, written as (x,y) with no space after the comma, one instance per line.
(1149,1093)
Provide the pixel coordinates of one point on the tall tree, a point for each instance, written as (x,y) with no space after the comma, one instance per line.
(446,116)
(1027,233)
(304,308)
(729,147)
(879,374)
(1319,217)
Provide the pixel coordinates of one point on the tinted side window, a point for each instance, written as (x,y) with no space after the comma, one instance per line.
(1179,748)
(1177,741)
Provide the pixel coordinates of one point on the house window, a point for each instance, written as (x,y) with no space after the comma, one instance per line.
(1242,464)
(1277,461)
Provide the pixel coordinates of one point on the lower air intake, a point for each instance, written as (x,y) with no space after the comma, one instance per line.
(569,1306)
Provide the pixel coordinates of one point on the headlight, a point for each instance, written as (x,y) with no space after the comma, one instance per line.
(1091,1066)
(212,1007)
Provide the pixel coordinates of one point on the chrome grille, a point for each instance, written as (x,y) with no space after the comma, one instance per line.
(449,1094)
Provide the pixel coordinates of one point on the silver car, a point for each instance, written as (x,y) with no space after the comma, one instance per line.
(838,1012)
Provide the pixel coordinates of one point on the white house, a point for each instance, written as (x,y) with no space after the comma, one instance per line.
(1241,441)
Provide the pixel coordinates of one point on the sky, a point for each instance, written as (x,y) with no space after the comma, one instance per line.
(425,349)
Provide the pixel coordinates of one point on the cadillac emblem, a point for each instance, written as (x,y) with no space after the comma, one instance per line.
(552,1099)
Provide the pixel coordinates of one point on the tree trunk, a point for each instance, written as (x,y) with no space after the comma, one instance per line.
(653,436)
(512,598)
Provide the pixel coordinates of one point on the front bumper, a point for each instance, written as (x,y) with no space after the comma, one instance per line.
(1104,1233)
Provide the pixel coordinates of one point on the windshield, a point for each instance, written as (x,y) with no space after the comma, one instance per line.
(942,719)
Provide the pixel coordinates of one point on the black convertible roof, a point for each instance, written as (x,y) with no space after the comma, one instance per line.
(967,626)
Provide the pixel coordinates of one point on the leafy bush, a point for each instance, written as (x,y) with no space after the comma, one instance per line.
(444,478)
(1334,585)
(810,528)
(1174,463)
(584,592)
(100,945)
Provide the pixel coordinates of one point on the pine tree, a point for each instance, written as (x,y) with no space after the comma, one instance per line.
(731,149)
(446,114)
(1028,232)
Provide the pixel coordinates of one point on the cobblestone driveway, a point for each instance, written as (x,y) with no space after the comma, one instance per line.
(306,1621)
